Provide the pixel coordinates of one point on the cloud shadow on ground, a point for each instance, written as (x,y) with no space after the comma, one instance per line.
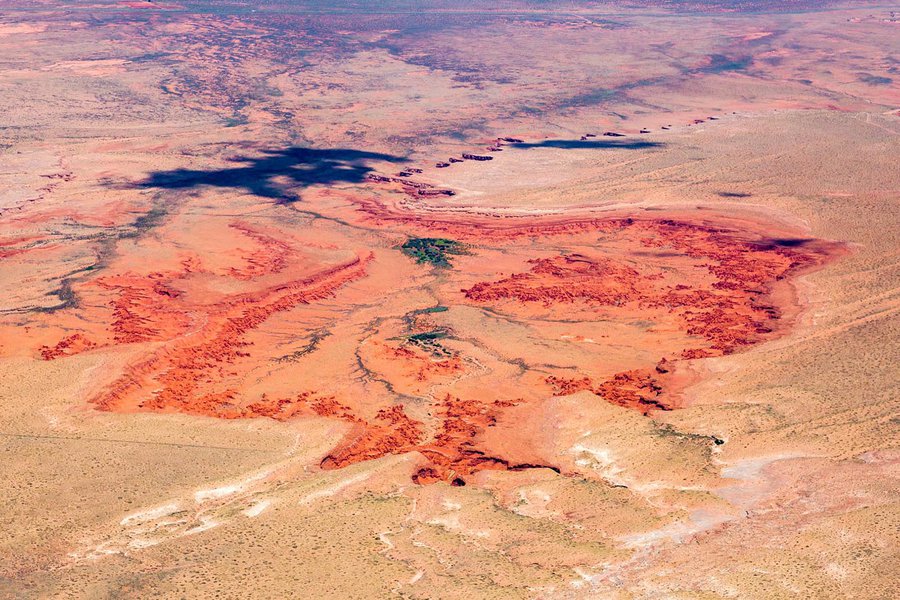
(589,144)
(258,175)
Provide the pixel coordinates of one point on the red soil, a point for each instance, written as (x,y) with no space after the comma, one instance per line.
(25,243)
(417,365)
(729,311)
(69,345)
(636,389)
(144,309)
(452,455)
(391,432)
(182,370)
(270,256)
(483,228)
(717,286)
(565,279)
(283,409)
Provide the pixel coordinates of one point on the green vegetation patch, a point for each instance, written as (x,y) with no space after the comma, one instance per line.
(428,336)
(430,341)
(436,251)
(434,309)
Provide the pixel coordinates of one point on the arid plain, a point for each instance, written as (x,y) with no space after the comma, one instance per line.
(433,300)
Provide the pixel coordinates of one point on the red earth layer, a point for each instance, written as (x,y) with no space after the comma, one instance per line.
(726,312)
(632,389)
(421,367)
(486,228)
(270,256)
(730,313)
(180,371)
(451,455)
(565,279)
(143,309)
(71,344)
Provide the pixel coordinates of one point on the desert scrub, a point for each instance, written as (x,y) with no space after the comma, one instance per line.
(430,341)
(427,337)
(436,251)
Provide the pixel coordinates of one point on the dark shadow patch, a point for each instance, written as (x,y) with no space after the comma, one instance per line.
(605,95)
(589,144)
(66,295)
(791,242)
(303,167)
(719,63)
(870,79)
(775,243)
(734,194)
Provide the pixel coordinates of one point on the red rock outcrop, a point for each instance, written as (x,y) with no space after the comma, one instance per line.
(418,365)
(69,345)
(565,279)
(183,369)
(708,288)
(451,456)
(454,453)
(143,309)
(391,432)
(270,256)
(636,389)
(730,311)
